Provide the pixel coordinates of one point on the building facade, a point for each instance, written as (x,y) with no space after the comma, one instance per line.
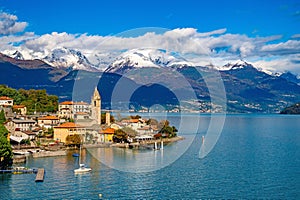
(68,109)
(6,101)
(20,109)
(48,121)
(69,128)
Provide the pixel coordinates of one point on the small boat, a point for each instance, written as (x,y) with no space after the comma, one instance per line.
(82,168)
(75,154)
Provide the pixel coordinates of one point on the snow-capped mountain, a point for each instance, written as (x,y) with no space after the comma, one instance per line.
(240,64)
(143,58)
(68,58)
(14,54)
(17,55)
(57,58)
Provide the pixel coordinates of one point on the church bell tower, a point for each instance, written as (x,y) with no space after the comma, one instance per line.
(96,106)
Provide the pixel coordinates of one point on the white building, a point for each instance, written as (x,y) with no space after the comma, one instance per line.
(6,101)
(21,124)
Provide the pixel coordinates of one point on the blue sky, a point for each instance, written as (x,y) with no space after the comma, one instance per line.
(267,33)
(253,18)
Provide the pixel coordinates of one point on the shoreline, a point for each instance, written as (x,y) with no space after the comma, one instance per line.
(42,154)
(147,142)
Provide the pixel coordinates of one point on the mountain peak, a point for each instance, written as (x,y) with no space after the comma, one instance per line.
(69,58)
(240,64)
(142,58)
(17,55)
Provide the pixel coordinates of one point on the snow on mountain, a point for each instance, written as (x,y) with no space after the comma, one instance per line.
(240,64)
(58,58)
(68,58)
(141,58)
(14,54)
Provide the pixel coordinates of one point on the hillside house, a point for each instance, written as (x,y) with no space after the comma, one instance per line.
(21,124)
(6,101)
(48,121)
(20,109)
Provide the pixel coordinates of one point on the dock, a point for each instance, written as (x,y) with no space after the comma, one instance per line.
(40,175)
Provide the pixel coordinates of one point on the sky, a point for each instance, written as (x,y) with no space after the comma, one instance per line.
(266,33)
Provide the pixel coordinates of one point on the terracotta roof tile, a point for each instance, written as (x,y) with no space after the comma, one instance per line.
(66,103)
(108,131)
(69,125)
(48,118)
(18,106)
(5,98)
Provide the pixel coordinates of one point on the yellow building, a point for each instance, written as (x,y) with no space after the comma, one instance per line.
(69,128)
(107,135)
(20,108)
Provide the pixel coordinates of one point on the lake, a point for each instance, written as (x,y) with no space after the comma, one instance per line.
(256,156)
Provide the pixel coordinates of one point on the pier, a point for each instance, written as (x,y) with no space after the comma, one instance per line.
(18,170)
(40,175)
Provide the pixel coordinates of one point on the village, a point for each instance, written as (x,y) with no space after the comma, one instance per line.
(75,124)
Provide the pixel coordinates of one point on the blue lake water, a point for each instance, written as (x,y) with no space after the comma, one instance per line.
(256,156)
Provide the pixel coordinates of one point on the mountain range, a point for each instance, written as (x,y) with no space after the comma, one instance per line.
(248,89)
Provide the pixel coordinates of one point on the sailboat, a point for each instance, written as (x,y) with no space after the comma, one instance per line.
(82,168)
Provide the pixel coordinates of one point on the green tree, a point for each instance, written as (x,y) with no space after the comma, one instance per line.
(3,130)
(152,121)
(2,117)
(162,124)
(73,140)
(135,117)
(103,118)
(37,100)
(50,131)
(6,154)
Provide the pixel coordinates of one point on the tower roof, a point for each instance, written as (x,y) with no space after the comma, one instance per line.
(96,94)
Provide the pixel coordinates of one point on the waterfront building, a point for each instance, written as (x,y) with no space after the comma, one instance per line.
(69,128)
(106,135)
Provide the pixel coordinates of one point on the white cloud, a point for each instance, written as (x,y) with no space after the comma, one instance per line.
(215,46)
(9,24)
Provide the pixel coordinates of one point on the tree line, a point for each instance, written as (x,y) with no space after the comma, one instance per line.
(6,154)
(34,100)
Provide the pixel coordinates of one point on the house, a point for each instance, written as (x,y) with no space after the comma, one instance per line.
(81,106)
(65,109)
(31,135)
(69,128)
(68,109)
(21,109)
(106,135)
(21,124)
(6,101)
(134,124)
(48,121)
(81,116)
